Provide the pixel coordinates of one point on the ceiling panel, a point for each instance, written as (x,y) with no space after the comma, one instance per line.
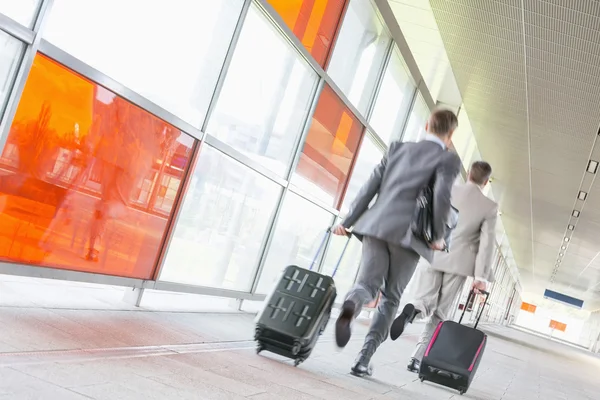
(527,72)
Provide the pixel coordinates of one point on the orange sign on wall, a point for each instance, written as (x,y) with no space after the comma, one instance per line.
(528,307)
(559,326)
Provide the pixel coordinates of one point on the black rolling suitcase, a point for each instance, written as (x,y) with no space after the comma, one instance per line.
(297,311)
(454,353)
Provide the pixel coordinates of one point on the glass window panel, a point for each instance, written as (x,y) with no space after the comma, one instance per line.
(10,57)
(415,129)
(359,53)
(222,224)
(393,100)
(331,144)
(264,116)
(368,158)
(314,22)
(173,55)
(81,177)
(346,273)
(22,11)
(300,229)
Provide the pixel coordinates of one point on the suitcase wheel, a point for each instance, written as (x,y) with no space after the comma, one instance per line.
(296,349)
(298,361)
(422,379)
(462,391)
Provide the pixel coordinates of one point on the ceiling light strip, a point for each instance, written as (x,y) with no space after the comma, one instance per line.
(584,203)
(528,140)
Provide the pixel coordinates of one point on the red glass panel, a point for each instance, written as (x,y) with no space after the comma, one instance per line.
(331,145)
(87,179)
(314,22)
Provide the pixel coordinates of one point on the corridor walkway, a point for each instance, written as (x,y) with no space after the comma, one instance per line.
(74,354)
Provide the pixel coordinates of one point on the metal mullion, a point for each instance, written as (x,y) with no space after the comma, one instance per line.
(121,90)
(233,153)
(175,214)
(226,64)
(338,29)
(289,34)
(298,149)
(377,141)
(18,84)
(409,111)
(16,30)
(299,144)
(205,291)
(308,197)
(267,240)
(34,271)
(340,200)
(392,25)
(379,79)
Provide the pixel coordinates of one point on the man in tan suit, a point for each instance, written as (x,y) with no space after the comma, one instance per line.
(437,285)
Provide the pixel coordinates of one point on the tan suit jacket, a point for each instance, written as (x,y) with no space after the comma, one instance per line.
(474,238)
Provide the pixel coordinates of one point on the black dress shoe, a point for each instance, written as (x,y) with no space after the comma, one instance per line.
(407,316)
(342,325)
(361,370)
(414,365)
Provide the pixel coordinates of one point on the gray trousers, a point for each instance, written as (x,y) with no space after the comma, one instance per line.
(387,267)
(434,295)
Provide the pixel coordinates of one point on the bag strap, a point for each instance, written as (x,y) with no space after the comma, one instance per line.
(472,294)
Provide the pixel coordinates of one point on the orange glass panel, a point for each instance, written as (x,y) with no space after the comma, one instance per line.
(314,22)
(331,144)
(528,307)
(87,179)
(559,326)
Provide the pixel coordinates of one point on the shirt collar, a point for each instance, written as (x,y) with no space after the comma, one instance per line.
(432,138)
(474,184)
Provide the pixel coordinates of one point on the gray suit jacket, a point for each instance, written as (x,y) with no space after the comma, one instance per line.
(474,238)
(397,181)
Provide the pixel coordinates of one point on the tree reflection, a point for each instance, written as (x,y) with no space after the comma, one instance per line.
(86,175)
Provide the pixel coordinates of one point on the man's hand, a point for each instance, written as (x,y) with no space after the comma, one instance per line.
(479,286)
(339,230)
(438,245)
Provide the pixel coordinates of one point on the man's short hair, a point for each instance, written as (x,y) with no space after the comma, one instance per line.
(442,122)
(480,172)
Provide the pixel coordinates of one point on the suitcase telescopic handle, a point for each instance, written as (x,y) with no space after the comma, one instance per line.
(473,294)
(322,246)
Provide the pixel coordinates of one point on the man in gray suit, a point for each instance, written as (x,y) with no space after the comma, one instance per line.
(437,285)
(390,250)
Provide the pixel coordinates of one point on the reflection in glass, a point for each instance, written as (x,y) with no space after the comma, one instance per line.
(222,224)
(172,55)
(359,53)
(10,55)
(314,22)
(300,229)
(22,11)
(329,149)
(393,100)
(264,115)
(368,157)
(87,180)
(415,129)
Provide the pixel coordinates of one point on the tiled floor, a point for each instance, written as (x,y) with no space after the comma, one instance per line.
(75,354)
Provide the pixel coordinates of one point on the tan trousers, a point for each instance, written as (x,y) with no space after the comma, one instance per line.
(434,294)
